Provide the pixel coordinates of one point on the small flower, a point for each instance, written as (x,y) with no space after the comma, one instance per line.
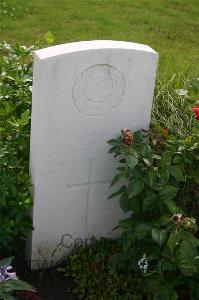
(195,110)
(177,218)
(182,92)
(6,274)
(143,264)
(127,136)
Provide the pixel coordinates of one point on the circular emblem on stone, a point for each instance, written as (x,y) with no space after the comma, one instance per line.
(98,90)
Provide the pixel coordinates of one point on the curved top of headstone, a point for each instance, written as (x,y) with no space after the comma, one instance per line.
(91,45)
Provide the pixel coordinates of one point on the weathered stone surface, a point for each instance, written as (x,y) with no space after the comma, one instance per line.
(83,94)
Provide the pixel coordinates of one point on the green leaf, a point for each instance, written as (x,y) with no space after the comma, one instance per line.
(113,142)
(151,177)
(177,160)
(122,160)
(132,161)
(170,204)
(135,187)
(165,265)
(49,37)
(124,203)
(186,235)
(164,176)
(188,250)
(155,156)
(121,169)
(168,192)
(159,236)
(149,201)
(173,241)
(116,178)
(6,262)
(25,116)
(146,151)
(125,223)
(164,220)
(118,192)
(18,285)
(142,230)
(134,204)
(186,268)
(177,172)
(146,161)
(115,149)
(166,159)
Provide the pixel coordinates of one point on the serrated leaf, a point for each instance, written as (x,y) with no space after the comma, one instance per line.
(118,192)
(116,178)
(134,187)
(131,161)
(168,192)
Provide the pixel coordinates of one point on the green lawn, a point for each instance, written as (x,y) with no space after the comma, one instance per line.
(171,27)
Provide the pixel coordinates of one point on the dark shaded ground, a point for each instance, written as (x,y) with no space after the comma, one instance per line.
(49,283)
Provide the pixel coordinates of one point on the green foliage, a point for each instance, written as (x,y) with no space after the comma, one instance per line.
(172,106)
(158,172)
(8,286)
(88,265)
(170,27)
(15,99)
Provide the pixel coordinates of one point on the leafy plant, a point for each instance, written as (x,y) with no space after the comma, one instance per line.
(9,282)
(93,279)
(16,70)
(15,99)
(161,230)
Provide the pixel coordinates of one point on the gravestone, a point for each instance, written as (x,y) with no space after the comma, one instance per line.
(84,93)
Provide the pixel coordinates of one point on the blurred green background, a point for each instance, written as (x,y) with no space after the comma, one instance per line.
(171,27)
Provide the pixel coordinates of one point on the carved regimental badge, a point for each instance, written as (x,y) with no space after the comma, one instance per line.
(98,90)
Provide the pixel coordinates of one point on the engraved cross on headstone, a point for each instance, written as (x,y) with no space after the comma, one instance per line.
(89,184)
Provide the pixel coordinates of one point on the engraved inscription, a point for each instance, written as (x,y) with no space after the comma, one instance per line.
(98,90)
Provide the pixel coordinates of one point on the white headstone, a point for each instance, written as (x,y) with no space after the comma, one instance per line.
(84,93)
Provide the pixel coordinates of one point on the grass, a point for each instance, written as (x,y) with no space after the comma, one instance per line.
(168,26)
(171,110)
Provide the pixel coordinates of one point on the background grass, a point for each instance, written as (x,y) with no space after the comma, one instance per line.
(171,27)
